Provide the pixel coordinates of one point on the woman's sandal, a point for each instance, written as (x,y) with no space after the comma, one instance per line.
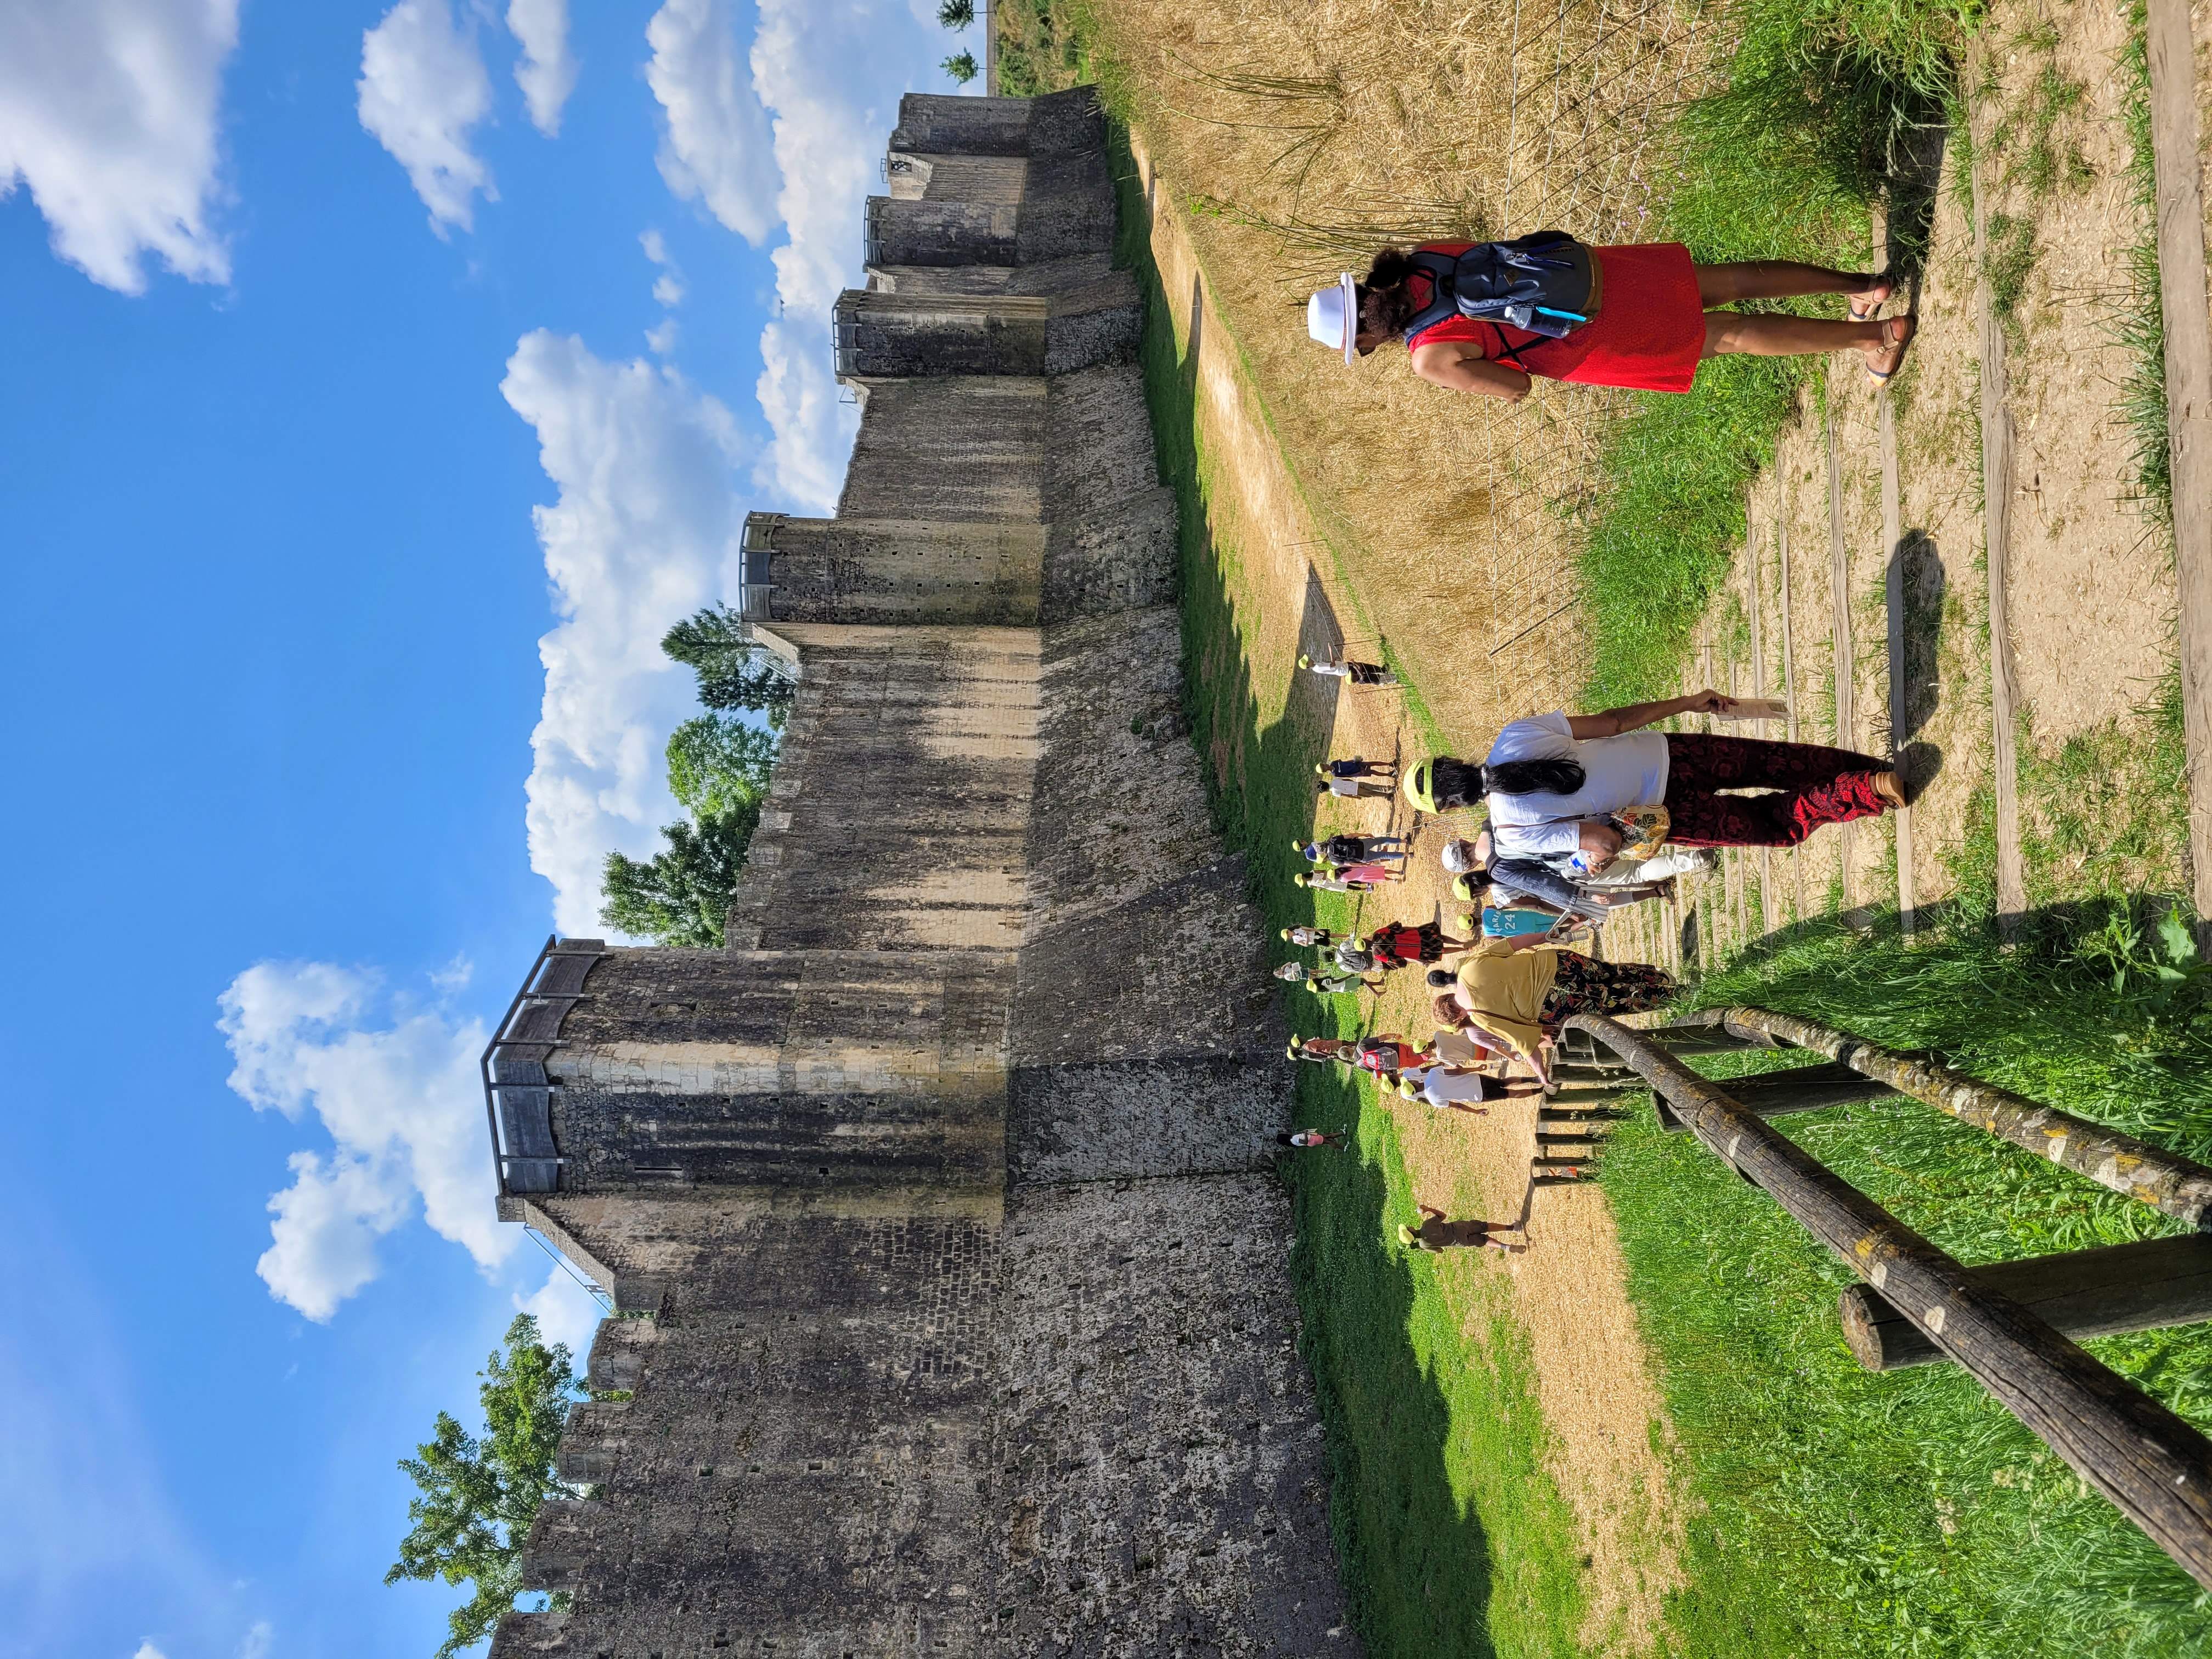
(1893,347)
(1860,311)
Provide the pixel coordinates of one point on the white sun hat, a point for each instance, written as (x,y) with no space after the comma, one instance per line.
(1332,317)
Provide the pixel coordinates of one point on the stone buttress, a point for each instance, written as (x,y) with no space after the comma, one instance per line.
(936,1209)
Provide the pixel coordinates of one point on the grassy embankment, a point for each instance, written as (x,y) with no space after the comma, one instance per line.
(1451,1535)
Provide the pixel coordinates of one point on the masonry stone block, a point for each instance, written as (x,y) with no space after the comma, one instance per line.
(900,336)
(941,124)
(890,571)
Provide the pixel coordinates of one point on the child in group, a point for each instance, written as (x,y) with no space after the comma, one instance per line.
(1310,1138)
(1437,1233)
(1321,980)
(1318,1051)
(1397,945)
(1327,879)
(1350,849)
(1373,873)
(1353,956)
(1385,1054)
(1453,1088)
(1500,919)
(1340,985)
(1355,779)
(1321,937)
(1356,766)
(1344,668)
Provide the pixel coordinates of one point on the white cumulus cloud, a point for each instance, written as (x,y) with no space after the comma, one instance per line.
(715,145)
(644,531)
(831,73)
(147,1650)
(546,71)
(422,89)
(257,1641)
(566,1312)
(668,287)
(397,1089)
(108,112)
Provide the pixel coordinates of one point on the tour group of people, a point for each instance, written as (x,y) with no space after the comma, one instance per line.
(1585,814)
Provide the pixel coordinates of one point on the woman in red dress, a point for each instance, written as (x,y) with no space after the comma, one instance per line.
(1656,321)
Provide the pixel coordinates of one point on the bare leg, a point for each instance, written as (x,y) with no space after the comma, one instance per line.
(1781,279)
(1882,339)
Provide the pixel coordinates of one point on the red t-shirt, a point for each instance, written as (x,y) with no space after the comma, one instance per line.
(1401,943)
(1648,333)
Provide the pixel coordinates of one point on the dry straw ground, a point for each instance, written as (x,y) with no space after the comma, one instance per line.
(1603,1420)
(1307,135)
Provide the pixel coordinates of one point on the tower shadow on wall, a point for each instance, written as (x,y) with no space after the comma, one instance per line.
(1417,1568)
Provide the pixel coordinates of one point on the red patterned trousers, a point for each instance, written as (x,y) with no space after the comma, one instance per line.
(1814,786)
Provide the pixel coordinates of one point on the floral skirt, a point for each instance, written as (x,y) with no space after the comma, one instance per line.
(1587,986)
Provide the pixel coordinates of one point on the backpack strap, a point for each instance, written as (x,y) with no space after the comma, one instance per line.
(1444,301)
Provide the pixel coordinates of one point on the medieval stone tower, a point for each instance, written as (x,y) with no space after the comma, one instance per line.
(954,1310)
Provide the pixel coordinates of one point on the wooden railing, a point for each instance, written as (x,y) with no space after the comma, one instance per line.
(2012,1326)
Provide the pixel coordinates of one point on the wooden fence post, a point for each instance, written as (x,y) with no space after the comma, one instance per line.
(2081,1293)
(2155,1467)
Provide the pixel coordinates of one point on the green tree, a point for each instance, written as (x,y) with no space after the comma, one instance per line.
(717,762)
(733,673)
(479,1496)
(962,67)
(957,15)
(680,895)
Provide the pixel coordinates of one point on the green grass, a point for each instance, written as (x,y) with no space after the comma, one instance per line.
(2109,811)
(1783,162)
(1847,1514)
(1450,1536)
(2138,323)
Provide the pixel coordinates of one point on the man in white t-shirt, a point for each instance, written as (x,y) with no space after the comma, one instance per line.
(1551,782)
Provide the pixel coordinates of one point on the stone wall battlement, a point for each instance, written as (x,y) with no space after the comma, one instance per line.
(938,1208)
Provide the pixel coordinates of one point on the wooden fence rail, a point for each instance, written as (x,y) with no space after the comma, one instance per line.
(2168,1182)
(2153,1465)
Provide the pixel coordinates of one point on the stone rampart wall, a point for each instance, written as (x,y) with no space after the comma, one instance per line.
(938,1204)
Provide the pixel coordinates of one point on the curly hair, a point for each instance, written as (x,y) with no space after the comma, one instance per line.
(1386,301)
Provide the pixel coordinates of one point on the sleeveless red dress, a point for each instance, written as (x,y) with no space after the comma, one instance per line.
(1648,333)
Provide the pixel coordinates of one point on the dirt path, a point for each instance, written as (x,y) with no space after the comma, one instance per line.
(2087,572)
(1593,1379)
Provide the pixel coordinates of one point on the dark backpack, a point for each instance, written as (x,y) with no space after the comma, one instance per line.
(1540,283)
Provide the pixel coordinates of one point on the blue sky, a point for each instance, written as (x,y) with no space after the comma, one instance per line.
(381,381)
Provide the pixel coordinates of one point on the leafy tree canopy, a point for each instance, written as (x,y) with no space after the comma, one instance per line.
(680,895)
(733,673)
(478,1495)
(717,762)
(956,15)
(961,67)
